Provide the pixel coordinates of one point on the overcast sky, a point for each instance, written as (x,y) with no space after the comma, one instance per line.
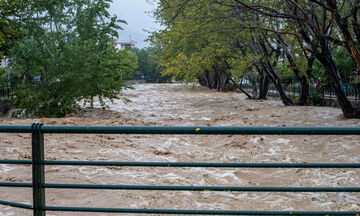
(136,14)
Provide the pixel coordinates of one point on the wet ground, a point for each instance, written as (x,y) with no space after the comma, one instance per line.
(188,105)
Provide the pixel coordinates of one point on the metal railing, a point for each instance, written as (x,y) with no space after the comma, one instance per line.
(352,91)
(38,184)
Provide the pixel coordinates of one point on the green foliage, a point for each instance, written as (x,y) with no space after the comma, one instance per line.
(183,68)
(217,31)
(70,45)
(240,65)
(212,41)
(3,75)
(318,70)
(203,36)
(315,98)
(285,73)
(344,62)
(149,69)
(319,73)
(189,47)
(10,24)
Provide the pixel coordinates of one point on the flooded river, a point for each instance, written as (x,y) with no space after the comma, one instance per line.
(189,105)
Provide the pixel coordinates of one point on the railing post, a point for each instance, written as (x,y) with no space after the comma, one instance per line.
(38,176)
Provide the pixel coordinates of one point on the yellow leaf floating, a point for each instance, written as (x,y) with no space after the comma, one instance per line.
(197,129)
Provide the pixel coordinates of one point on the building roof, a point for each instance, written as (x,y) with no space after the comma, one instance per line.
(125,42)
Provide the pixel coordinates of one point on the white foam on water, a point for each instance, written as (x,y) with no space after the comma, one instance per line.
(280,141)
(348,198)
(241,195)
(92,171)
(170,142)
(255,140)
(272,151)
(186,193)
(8,211)
(228,174)
(173,177)
(10,149)
(331,179)
(6,168)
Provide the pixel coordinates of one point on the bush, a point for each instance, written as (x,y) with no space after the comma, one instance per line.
(315,97)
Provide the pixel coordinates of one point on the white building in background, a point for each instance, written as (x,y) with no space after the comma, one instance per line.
(125,44)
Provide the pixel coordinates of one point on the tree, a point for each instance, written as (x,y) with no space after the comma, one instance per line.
(192,49)
(148,68)
(316,26)
(341,12)
(10,24)
(70,44)
(316,29)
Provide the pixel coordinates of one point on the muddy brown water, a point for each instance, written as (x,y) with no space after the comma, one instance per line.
(188,105)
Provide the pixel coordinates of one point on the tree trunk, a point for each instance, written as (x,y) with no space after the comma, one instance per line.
(344,29)
(354,19)
(332,72)
(275,79)
(224,80)
(241,89)
(203,79)
(253,84)
(268,67)
(304,81)
(304,91)
(264,82)
(212,79)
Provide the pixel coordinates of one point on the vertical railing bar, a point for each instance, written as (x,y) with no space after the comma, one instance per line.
(38,174)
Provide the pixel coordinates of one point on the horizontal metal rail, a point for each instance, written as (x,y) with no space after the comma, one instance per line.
(187,188)
(16,162)
(186,130)
(188,164)
(16,205)
(171,211)
(205,188)
(198,212)
(15,184)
